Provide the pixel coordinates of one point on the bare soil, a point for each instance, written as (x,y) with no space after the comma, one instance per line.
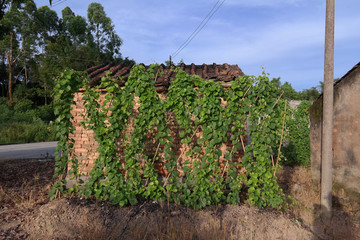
(27,213)
(24,186)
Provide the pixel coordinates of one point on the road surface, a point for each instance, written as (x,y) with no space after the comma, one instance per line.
(27,151)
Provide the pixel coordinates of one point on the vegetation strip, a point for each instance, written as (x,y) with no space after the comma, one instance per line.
(194,104)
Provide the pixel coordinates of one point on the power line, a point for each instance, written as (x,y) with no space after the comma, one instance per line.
(58,3)
(173,54)
(53,2)
(199,27)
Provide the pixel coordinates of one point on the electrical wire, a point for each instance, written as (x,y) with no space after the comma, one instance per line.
(58,3)
(53,2)
(199,27)
(196,28)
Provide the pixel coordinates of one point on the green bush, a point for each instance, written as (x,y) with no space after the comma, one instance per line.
(24,132)
(5,113)
(46,113)
(297,149)
(24,105)
(25,123)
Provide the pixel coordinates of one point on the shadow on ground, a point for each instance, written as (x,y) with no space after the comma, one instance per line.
(345,221)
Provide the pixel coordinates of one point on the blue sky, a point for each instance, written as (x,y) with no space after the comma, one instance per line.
(286,37)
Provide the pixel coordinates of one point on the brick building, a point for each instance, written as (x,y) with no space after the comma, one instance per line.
(85,144)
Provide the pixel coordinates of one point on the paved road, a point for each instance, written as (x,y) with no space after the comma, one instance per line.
(27,151)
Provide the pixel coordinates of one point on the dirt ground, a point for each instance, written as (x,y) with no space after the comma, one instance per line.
(26,213)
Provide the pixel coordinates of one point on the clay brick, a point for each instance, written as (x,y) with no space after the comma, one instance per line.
(85,146)
(81,150)
(78,145)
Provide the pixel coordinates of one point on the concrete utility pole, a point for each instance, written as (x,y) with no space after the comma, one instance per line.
(328,99)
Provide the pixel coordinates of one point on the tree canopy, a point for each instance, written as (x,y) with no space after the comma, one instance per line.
(36,44)
(288,92)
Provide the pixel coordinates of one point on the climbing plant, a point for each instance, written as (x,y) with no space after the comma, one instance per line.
(229,139)
(66,85)
(297,148)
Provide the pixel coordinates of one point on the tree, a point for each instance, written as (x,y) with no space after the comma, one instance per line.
(17,40)
(67,14)
(180,62)
(49,30)
(276,82)
(36,45)
(29,38)
(76,26)
(48,24)
(106,41)
(289,91)
(310,94)
(321,84)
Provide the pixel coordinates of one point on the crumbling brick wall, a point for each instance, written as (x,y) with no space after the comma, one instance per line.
(85,144)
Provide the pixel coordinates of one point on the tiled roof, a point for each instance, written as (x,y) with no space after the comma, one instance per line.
(224,73)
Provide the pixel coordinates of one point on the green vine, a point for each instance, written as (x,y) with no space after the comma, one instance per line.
(297,149)
(66,86)
(213,125)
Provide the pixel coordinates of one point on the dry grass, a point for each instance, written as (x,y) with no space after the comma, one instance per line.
(172,230)
(25,198)
(24,186)
(22,198)
(25,189)
(5,198)
(345,224)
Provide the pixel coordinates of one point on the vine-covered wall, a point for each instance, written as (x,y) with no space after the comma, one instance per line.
(85,145)
(188,147)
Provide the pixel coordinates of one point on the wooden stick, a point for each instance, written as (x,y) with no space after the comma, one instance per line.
(266,116)
(242,143)
(246,92)
(227,162)
(167,178)
(272,161)
(278,99)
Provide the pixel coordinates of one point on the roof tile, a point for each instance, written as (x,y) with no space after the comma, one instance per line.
(216,72)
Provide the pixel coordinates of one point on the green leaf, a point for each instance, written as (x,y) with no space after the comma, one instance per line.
(197,149)
(182,134)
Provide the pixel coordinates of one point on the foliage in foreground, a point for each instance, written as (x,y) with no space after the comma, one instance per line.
(195,105)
